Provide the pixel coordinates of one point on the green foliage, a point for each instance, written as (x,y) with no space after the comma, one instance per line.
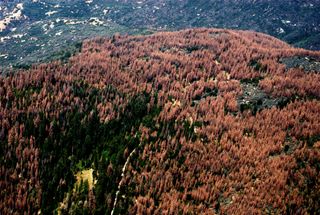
(64,54)
(257,66)
(191,49)
(86,143)
(21,66)
(189,129)
(114,144)
(251,80)
(306,183)
(76,142)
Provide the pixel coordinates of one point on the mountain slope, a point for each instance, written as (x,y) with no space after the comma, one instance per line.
(293,21)
(197,121)
(46,26)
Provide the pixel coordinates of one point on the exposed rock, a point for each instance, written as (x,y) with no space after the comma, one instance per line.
(308,64)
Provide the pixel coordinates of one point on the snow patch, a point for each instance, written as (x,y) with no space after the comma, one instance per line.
(280,31)
(59,33)
(106,11)
(286,21)
(95,21)
(72,22)
(15,36)
(49,13)
(5,56)
(51,25)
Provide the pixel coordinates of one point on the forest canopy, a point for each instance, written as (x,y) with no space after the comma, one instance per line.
(200,121)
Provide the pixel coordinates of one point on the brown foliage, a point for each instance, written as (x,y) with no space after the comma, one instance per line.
(239,163)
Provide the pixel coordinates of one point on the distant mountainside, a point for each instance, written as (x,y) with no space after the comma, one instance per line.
(200,121)
(297,22)
(40,29)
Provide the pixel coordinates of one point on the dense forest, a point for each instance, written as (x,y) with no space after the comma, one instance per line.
(200,121)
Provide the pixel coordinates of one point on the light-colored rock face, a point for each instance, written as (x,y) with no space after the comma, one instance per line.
(16,14)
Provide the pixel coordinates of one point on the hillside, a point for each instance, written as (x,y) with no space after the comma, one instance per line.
(293,21)
(202,121)
(38,30)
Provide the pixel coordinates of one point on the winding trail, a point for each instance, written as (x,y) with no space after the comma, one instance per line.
(124,168)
